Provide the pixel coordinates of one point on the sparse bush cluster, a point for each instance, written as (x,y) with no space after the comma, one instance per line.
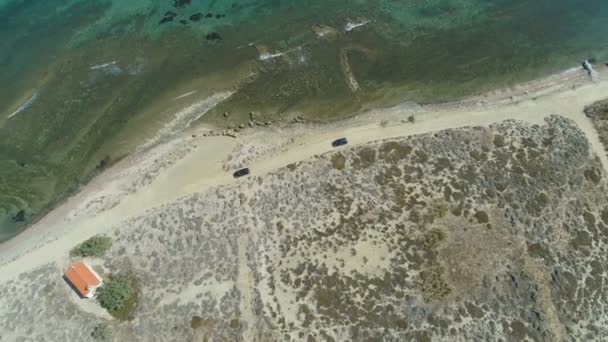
(101,332)
(93,247)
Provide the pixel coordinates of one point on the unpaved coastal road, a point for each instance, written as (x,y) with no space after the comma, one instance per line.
(202,168)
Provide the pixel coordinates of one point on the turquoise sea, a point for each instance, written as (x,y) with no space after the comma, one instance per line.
(84,81)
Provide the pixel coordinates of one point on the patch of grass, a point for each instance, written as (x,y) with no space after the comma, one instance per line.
(118,295)
(338,161)
(196,322)
(539,250)
(432,284)
(594,175)
(476,154)
(367,158)
(394,151)
(499,140)
(482,216)
(101,332)
(474,311)
(421,157)
(433,238)
(589,219)
(235,324)
(536,205)
(441,164)
(435,210)
(93,247)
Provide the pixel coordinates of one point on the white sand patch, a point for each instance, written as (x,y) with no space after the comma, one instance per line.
(189,294)
(244,285)
(284,295)
(369,258)
(87,305)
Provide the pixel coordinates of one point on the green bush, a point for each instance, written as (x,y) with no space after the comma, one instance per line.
(101,332)
(118,295)
(95,246)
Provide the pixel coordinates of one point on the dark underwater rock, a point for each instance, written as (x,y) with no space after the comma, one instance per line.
(165,20)
(20,216)
(169,16)
(213,36)
(181,3)
(196,17)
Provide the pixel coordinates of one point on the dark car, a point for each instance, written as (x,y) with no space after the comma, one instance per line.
(339,142)
(241,173)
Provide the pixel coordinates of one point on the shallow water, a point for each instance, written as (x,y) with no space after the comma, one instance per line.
(106,72)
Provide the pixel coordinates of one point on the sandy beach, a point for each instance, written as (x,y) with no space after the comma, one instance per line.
(194,162)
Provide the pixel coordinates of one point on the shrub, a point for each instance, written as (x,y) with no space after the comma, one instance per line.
(118,295)
(435,211)
(101,332)
(482,217)
(499,140)
(95,246)
(338,161)
(196,322)
(432,284)
(433,238)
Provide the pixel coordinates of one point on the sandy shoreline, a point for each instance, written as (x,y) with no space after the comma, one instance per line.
(195,163)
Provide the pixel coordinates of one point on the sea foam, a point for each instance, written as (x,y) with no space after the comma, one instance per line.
(25,105)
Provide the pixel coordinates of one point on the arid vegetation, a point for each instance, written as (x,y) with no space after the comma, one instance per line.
(118,295)
(101,332)
(93,247)
(482,233)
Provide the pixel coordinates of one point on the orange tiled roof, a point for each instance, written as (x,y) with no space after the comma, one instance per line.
(82,278)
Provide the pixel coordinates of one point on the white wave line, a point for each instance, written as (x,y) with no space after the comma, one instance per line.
(100,66)
(25,105)
(184,95)
(353,25)
(267,56)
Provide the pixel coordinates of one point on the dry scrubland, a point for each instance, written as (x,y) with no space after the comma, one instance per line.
(465,234)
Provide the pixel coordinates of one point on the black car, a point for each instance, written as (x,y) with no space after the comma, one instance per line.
(241,173)
(339,142)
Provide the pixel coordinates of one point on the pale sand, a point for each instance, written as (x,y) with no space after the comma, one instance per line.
(51,239)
